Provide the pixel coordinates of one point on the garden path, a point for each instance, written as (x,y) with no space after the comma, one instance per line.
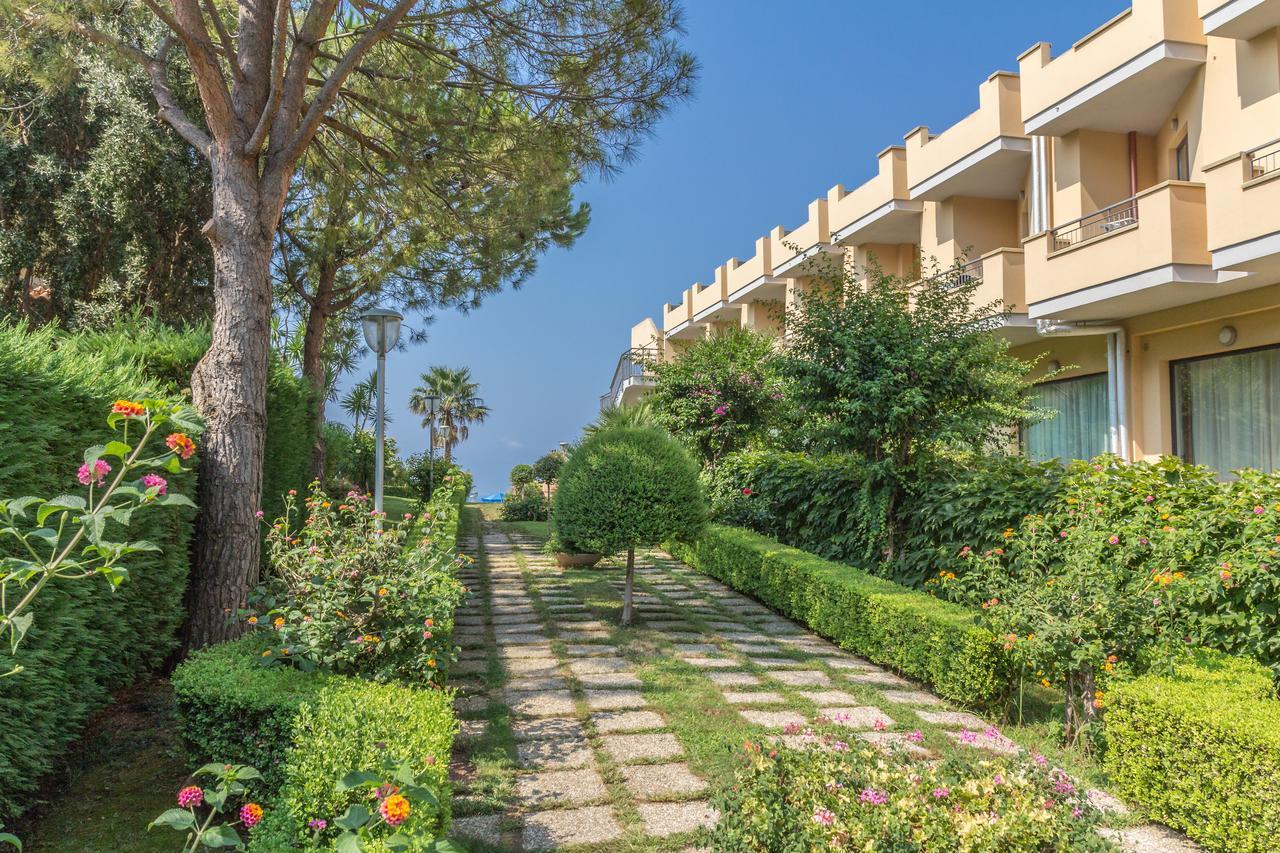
(576,733)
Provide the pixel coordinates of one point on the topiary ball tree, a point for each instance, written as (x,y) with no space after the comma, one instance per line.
(521,475)
(627,488)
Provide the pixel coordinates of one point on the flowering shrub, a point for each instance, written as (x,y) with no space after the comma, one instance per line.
(1133,561)
(352,591)
(398,813)
(66,537)
(219,801)
(833,796)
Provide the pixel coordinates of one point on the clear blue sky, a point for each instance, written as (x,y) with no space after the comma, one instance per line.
(793,98)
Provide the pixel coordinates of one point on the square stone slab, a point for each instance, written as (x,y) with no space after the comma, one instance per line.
(627,721)
(911,697)
(539,650)
(554,753)
(484,828)
(586,651)
(612,700)
(829,697)
(661,819)
(547,727)
(470,704)
(734,679)
(541,703)
(864,717)
(551,830)
(651,781)
(517,628)
(765,698)
(889,741)
(697,648)
(886,679)
(593,666)
(993,742)
(710,663)
(802,678)
(850,663)
(555,682)
(470,667)
(774,719)
(779,663)
(533,667)
(614,680)
(554,787)
(509,640)
(628,748)
(953,718)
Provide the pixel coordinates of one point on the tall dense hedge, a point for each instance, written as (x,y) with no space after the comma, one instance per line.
(830,505)
(86,640)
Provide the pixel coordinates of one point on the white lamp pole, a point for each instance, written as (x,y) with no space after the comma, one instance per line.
(381,332)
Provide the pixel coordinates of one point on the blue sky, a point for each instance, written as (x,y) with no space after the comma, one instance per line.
(778,116)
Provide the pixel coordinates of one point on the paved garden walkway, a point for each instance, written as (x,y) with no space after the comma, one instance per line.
(578,733)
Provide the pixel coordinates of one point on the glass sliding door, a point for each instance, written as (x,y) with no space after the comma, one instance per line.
(1078,430)
(1226,410)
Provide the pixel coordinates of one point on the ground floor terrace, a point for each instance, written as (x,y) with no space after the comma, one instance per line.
(577,734)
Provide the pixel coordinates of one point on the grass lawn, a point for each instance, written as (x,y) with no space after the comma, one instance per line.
(396,506)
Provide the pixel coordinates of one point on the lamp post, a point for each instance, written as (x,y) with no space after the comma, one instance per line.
(432,402)
(381,332)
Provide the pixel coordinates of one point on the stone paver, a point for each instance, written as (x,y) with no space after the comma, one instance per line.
(484,828)
(547,727)
(652,781)
(614,700)
(592,666)
(953,718)
(553,787)
(761,698)
(627,748)
(554,753)
(662,819)
(802,678)
(829,697)
(611,680)
(857,717)
(627,721)
(774,719)
(911,697)
(733,679)
(541,703)
(565,827)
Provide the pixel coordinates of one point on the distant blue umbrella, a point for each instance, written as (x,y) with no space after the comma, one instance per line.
(495,498)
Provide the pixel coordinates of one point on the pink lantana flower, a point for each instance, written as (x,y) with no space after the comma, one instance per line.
(99,473)
(157,482)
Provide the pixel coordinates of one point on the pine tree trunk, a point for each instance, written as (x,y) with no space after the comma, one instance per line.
(626,595)
(229,389)
(313,364)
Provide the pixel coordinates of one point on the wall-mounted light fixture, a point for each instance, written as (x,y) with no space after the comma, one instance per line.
(1227,335)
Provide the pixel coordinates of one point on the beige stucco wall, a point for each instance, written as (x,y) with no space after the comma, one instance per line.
(967,227)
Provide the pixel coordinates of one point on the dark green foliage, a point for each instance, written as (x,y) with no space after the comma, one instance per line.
(236,710)
(419,476)
(86,639)
(913,632)
(521,475)
(833,506)
(1199,750)
(531,506)
(722,394)
(547,469)
(628,488)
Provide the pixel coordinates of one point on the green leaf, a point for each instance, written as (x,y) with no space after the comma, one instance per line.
(358,779)
(175,500)
(348,842)
(9,838)
(354,817)
(444,845)
(213,768)
(174,465)
(93,454)
(118,449)
(18,506)
(220,836)
(244,771)
(397,841)
(178,819)
(74,503)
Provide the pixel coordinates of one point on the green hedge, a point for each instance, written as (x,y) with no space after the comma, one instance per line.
(1199,750)
(915,633)
(832,505)
(86,640)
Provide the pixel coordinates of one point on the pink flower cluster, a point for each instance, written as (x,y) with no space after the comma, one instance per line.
(873,797)
(99,473)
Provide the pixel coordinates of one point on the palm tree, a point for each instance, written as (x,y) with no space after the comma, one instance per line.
(458,408)
(361,402)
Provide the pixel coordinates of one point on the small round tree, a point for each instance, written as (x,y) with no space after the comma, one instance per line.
(521,476)
(627,488)
(547,469)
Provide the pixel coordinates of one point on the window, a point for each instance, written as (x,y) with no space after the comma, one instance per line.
(1226,410)
(1182,161)
(1079,429)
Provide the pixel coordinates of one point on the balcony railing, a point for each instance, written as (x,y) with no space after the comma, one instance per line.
(954,277)
(632,364)
(1096,224)
(1264,161)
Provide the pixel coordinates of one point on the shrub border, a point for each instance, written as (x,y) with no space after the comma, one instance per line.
(919,635)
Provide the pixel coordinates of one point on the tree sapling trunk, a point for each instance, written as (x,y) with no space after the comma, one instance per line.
(626,594)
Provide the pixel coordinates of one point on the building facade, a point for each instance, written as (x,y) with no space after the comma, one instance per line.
(1121,198)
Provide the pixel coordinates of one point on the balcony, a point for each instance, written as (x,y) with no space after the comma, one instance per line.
(677,320)
(984,155)
(1239,19)
(1244,195)
(1127,75)
(710,299)
(631,378)
(753,279)
(879,212)
(998,276)
(1144,254)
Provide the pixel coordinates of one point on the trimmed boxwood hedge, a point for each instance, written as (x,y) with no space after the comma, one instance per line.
(915,633)
(1199,750)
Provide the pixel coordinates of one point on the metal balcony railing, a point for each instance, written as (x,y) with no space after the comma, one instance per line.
(1100,222)
(632,364)
(970,273)
(1264,161)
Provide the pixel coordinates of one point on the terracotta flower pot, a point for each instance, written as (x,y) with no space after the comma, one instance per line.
(577,561)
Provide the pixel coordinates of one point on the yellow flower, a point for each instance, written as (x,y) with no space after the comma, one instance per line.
(382,590)
(279,623)
(1045,682)
(431,663)
(266,653)
(253,620)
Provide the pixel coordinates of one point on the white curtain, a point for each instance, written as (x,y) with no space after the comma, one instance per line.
(1227,411)
(1079,429)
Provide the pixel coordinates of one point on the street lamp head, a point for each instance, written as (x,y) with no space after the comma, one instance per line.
(433,403)
(381,328)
